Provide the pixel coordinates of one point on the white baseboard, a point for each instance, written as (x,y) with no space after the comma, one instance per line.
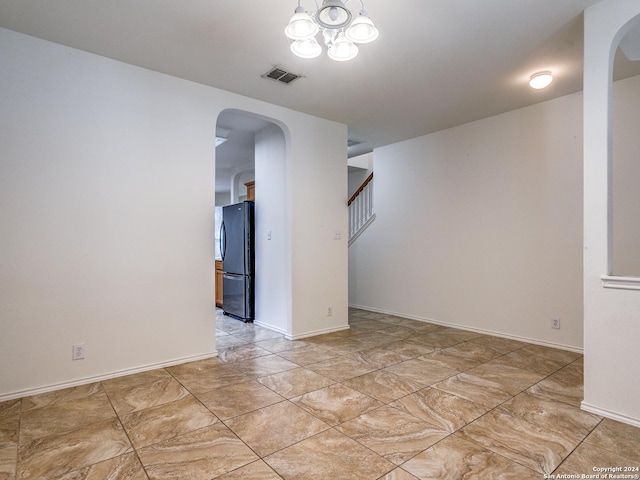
(288,336)
(98,378)
(475,330)
(609,414)
(271,327)
(316,332)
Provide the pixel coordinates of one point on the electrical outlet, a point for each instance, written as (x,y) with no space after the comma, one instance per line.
(329,311)
(78,351)
(555,323)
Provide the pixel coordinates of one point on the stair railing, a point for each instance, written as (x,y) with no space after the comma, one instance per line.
(361,209)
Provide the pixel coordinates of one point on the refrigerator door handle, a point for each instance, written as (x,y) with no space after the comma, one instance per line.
(223,240)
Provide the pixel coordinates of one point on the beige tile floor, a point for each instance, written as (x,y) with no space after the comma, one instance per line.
(391,398)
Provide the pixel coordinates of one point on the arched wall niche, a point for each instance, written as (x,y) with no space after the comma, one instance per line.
(624,221)
(611,322)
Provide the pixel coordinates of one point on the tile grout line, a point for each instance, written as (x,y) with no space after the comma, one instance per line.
(354,347)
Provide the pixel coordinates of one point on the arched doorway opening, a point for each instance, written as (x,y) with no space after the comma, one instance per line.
(251,159)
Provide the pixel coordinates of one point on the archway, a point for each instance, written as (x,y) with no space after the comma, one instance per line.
(255,149)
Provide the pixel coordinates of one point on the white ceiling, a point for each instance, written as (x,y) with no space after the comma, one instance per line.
(436,64)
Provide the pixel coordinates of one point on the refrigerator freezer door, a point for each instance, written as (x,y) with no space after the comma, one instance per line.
(237,299)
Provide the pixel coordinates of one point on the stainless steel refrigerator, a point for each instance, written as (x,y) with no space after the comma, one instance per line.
(237,245)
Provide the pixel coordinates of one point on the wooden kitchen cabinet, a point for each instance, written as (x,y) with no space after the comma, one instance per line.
(219,283)
(251,191)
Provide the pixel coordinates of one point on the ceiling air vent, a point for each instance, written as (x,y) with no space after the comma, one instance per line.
(351,142)
(280,75)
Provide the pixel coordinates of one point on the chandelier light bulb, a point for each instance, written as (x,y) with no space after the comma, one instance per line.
(540,80)
(333,14)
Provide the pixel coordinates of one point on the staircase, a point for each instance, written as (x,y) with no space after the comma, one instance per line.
(361,209)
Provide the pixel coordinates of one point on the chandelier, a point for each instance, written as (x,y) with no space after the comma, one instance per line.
(334,20)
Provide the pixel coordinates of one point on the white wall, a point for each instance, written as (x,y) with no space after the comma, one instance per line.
(611,315)
(223,198)
(355,179)
(273,288)
(238,187)
(317,211)
(480,226)
(106,188)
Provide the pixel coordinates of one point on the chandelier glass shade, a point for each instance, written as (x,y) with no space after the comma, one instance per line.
(301,26)
(342,49)
(339,31)
(309,48)
(362,29)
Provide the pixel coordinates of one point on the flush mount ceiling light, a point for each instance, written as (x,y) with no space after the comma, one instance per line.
(339,32)
(540,80)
